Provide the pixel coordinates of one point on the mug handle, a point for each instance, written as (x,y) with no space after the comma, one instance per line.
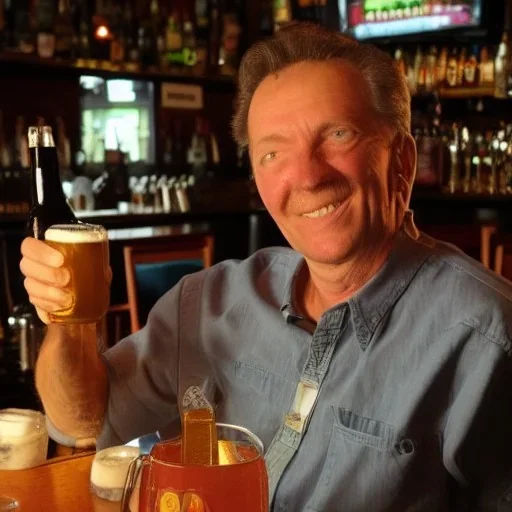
(134,474)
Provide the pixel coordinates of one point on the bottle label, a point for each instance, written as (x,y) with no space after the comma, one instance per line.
(174,41)
(45,45)
(470,74)
(451,75)
(39,185)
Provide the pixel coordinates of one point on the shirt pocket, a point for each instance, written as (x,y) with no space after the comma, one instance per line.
(365,466)
(256,399)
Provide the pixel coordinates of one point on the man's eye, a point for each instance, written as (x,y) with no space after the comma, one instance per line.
(269,157)
(342,134)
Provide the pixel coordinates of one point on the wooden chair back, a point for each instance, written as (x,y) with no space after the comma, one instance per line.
(183,248)
(503,260)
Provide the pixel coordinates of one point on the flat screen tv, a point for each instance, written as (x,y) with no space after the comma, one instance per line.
(382,19)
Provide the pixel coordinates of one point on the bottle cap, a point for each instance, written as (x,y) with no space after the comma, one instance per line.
(47,137)
(40,136)
(34,137)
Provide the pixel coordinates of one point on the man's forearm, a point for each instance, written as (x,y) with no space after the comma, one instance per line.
(72,380)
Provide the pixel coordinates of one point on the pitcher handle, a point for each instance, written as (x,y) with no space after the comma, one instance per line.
(134,471)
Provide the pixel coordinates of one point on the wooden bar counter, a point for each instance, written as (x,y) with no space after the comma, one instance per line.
(59,485)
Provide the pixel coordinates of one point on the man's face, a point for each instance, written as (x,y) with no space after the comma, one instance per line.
(322,161)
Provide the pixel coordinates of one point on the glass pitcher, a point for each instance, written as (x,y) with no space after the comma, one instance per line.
(159,482)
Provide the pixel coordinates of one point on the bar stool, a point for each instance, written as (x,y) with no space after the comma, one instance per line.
(154,268)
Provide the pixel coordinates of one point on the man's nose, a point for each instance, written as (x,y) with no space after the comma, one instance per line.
(309,170)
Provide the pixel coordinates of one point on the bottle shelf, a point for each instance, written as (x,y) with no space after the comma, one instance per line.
(107,69)
(466,92)
(459,93)
(421,194)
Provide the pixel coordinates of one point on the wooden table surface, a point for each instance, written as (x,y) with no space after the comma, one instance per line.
(60,485)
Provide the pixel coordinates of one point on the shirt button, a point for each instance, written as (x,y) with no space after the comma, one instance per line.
(405,447)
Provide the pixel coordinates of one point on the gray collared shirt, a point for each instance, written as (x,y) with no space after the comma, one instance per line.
(399,399)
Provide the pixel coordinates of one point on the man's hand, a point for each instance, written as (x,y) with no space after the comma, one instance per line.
(46,277)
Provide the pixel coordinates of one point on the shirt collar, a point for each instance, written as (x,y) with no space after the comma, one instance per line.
(288,308)
(373,301)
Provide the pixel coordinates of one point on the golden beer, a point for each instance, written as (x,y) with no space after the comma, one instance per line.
(86,256)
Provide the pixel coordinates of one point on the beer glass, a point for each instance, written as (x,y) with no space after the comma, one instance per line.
(86,256)
(238,482)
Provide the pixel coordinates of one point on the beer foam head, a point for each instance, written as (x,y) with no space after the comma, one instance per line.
(75,234)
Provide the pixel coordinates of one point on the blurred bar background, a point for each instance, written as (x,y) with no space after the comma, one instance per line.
(140,96)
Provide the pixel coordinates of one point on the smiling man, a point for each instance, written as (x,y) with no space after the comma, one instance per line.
(371,360)
(326,168)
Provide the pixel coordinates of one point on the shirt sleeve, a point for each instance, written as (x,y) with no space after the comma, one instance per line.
(142,376)
(477,438)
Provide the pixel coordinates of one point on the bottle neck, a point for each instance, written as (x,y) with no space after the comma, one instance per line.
(45,176)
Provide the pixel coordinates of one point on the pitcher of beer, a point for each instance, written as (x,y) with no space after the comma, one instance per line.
(84,246)
(238,482)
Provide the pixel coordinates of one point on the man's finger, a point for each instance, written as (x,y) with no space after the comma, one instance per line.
(58,277)
(37,250)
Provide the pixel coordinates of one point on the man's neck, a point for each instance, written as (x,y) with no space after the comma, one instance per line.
(321,286)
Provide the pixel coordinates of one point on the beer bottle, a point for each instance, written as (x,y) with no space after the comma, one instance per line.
(49,204)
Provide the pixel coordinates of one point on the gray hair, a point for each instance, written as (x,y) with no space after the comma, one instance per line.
(301,42)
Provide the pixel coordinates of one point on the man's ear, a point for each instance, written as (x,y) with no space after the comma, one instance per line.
(406,168)
(409,159)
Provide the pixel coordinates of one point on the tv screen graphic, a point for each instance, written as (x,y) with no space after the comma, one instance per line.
(378,19)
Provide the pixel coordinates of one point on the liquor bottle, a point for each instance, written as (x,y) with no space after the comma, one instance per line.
(131,51)
(173,41)
(49,204)
(417,81)
(147,45)
(215,35)
(430,73)
(454,149)
(467,143)
(9,42)
(45,16)
(64,31)
(400,61)
(486,68)
(451,69)
(189,44)
(83,52)
(471,75)
(202,34)
(282,13)
(118,41)
(442,63)
(230,44)
(197,154)
(461,62)
(501,68)
(429,167)
(421,77)
(158,30)
(24,27)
